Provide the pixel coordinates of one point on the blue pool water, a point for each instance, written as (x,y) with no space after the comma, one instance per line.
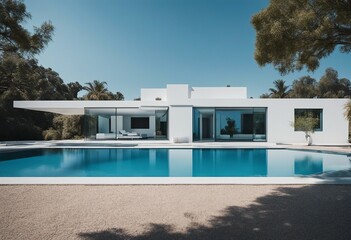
(124,162)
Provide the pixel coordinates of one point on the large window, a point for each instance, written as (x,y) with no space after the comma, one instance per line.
(315,113)
(100,123)
(126,123)
(161,120)
(241,124)
(229,124)
(203,124)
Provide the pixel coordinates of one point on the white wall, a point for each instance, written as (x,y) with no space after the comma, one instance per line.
(180,122)
(280,115)
(177,93)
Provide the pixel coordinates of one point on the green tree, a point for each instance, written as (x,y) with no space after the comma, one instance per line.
(97,91)
(119,96)
(330,86)
(304,87)
(265,95)
(19,72)
(231,128)
(74,88)
(23,79)
(280,90)
(306,124)
(14,37)
(65,127)
(292,34)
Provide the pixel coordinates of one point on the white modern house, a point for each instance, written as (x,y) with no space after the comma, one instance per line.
(181,113)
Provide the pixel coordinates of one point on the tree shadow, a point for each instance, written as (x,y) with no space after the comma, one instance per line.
(307,212)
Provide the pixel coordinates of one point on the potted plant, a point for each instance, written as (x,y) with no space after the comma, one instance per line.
(230,128)
(306,124)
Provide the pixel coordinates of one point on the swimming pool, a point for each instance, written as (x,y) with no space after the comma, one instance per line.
(133,162)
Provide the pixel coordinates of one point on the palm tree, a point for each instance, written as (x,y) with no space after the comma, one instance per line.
(119,96)
(280,90)
(97,91)
(266,95)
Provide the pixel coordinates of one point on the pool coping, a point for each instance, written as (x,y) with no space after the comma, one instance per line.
(171,180)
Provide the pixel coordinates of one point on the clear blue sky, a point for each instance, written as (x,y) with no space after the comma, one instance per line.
(133,44)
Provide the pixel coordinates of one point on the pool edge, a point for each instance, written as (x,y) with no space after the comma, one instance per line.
(170,180)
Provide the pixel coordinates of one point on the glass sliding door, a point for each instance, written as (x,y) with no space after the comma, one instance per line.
(196,124)
(126,123)
(203,124)
(234,124)
(100,123)
(259,117)
(161,124)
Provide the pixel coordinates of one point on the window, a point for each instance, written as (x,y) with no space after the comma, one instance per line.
(139,122)
(315,113)
(229,124)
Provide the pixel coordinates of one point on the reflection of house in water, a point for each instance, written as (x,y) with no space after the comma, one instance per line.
(124,162)
(134,162)
(229,162)
(308,165)
(291,163)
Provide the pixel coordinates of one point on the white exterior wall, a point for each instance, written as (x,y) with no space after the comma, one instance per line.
(177,93)
(280,114)
(180,123)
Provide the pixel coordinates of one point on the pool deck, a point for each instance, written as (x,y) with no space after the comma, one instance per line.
(10,146)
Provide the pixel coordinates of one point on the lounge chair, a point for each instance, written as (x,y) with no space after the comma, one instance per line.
(123,134)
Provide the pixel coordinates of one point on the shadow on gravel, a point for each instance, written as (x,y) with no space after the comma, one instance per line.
(308,212)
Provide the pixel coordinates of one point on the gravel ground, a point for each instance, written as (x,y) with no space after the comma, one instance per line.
(175,212)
